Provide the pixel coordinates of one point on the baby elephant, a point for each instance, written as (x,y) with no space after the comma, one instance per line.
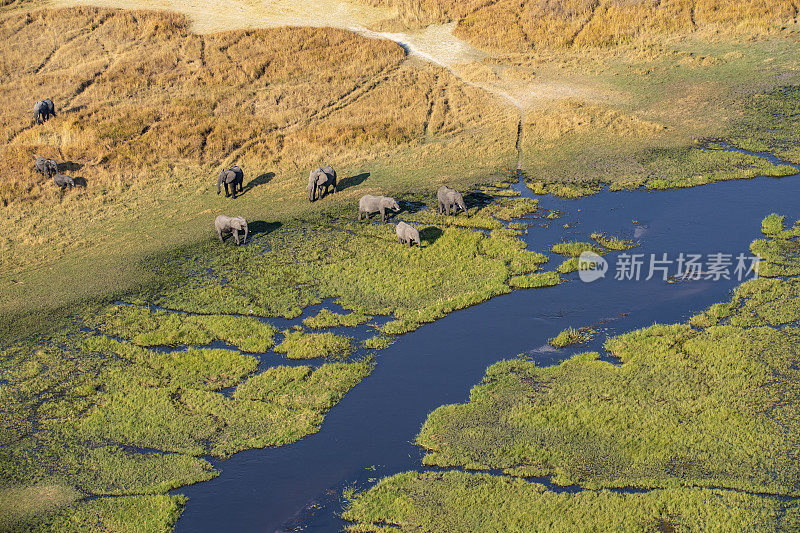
(63,181)
(320,179)
(450,198)
(231,225)
(369,204)
(43,110)
(234,177)
(47,167)
(407,233)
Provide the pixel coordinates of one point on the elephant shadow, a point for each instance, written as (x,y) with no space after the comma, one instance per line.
(477,199)
(69,166)
(263,179)
(352,181)
(430,234)
(80,181)
(261,227)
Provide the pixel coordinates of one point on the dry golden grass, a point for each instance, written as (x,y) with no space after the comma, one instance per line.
(516,25)
(150,111)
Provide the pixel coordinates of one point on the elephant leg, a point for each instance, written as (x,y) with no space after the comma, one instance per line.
(441,208)
(219,234)
(236,236)
(383,215)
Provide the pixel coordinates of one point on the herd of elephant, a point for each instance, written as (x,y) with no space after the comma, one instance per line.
(319,183)
(42,111)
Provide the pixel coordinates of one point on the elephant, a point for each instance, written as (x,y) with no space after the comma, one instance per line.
(43,110)
(369,204)
(47,167)
(319,178)
(407,233)
(63,181)
(234,177)
(450,198)
(231,225)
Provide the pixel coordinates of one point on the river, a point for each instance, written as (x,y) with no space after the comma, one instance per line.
(370,433)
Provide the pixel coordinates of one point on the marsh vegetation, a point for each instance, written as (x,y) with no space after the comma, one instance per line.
(135,349)
(692,408)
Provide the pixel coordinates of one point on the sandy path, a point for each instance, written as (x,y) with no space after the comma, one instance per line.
(435,44)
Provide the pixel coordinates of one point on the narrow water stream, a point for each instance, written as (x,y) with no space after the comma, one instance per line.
(370,433)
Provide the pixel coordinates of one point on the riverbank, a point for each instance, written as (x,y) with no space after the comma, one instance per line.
(705,405)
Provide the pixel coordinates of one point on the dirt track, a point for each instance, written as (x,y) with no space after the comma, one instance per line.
(435,44)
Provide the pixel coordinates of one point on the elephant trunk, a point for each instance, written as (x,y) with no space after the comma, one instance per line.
(245,233)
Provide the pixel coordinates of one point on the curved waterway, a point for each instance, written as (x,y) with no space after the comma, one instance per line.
(370,433)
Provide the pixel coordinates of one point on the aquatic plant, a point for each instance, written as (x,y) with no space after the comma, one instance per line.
(565,189)
(297,344)
(146,327)
(328,319)
(571,336)
(378,342)
(467,502)
(691,409)
(575,249)
(534,281)
(613,243)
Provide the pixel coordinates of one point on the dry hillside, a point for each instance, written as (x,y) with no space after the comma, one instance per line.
(515,25)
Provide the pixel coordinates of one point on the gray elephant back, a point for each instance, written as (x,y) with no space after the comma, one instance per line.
(407,232)
(45,165)
(370,201)
(62,180)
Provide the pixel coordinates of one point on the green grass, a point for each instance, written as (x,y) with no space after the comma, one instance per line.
(464,502)
(70,403)
(298,344)
(779,251)
(511,208)
(378,342)
(163,328)
(571,336)
(772,225)
(130,514)
(328,319)
(575,249)
(363,268)
(769,120)
(535,281)
(613,243)
(565,190)
(701,406)
(573,265)
(19,505)
(692,410)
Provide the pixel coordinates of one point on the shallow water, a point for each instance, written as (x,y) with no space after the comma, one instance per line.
(370,433)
